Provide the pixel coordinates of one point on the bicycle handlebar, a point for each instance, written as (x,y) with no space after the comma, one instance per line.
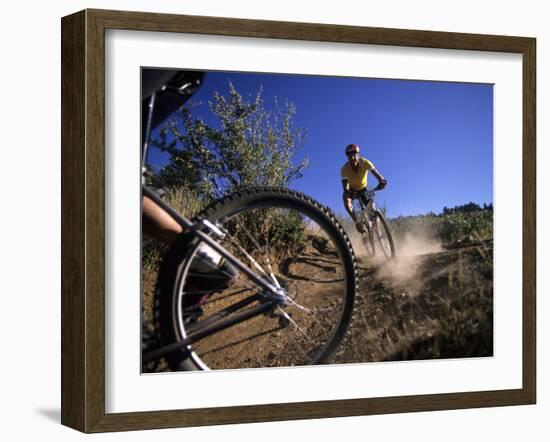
(186,89)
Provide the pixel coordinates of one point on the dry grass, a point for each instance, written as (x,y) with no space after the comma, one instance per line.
(426,307)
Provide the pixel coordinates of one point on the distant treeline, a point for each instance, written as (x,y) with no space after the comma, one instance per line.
(467,208)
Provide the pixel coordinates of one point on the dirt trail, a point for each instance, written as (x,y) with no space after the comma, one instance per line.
(426,303)
(424,306)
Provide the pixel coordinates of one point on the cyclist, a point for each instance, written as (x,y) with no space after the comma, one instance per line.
(354,180)
(210,270)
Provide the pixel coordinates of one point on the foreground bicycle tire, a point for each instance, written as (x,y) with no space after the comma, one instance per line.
(324,283)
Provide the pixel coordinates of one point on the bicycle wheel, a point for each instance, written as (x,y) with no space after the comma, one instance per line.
(291,241)
(383,235)
(367,237)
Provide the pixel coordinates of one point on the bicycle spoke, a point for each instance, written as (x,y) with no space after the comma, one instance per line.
(293,341)
(316,321)
(254,262)
(295,304)
(229,295)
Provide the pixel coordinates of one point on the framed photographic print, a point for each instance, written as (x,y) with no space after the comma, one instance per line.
(267,220)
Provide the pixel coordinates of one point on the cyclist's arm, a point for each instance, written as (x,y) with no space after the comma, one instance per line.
(157,223)
(345,184)
(381,180)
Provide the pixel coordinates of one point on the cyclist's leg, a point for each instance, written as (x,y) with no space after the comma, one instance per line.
(157,223)
(211,270)
(348,198)
(364,199)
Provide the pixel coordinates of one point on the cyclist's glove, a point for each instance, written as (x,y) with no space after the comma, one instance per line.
(381,185)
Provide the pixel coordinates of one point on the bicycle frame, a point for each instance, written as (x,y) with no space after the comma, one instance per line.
(189,226)
(199,230)
(373,220)
(365,210)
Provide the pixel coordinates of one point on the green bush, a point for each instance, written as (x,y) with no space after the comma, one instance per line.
(448,228)
(247,143)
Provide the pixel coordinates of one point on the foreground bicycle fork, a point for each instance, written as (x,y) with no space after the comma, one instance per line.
(271,297)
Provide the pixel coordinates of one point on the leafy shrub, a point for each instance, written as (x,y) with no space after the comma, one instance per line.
(448,228)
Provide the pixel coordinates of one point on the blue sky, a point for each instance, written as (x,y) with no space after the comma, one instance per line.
(432,141)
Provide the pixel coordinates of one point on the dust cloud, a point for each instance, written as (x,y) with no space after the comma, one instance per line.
(413,245)
(402,275)
(410,245)
(402,272)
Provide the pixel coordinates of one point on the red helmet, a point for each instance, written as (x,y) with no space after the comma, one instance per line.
(352,148)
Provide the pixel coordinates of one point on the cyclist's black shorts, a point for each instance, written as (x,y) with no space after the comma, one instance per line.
(357,194)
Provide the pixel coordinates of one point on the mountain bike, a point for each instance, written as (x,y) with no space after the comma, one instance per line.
(291,302)
(375,226)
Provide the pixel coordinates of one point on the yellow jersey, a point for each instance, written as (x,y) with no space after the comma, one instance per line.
(357,179)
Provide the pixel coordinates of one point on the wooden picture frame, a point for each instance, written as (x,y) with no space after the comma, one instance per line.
(83,220)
